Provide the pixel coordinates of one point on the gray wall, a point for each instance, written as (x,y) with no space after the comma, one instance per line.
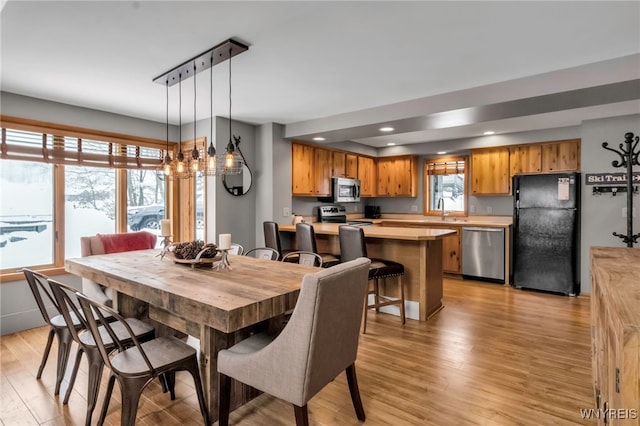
(602,214)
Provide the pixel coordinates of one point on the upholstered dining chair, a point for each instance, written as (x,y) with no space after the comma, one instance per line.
(67,301)
(111,243)
(272,237)
(306,241)
(135,367)
(318,343)
(304,258)
(57,325)
(352,246)
(266,253)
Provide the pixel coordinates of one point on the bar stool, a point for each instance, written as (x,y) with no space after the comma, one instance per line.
(306,241)
(352,246)
(272,238)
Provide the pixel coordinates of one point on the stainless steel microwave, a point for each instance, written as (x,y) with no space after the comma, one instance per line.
(346,190)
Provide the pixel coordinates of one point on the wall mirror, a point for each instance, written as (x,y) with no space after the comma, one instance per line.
(238,184)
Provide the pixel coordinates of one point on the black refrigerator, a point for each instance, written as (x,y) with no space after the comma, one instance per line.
(546,232)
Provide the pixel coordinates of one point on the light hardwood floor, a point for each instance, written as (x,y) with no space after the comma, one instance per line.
(492,356)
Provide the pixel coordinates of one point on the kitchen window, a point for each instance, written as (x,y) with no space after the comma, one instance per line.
(60,183)
(445,186)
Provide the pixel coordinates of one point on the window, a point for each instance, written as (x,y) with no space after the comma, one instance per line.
(59,183)
(446,186)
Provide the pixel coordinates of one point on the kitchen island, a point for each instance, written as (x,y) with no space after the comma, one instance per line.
(418,249)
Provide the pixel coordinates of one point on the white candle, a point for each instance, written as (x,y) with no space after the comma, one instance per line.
(224,241)
(165,228)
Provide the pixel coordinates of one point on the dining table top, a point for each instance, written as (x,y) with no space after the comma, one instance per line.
(253,290)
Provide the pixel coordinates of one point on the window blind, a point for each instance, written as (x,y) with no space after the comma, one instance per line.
(446,167)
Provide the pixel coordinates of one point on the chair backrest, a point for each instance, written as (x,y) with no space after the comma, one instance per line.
(41,292)
(99,315)
(322,335)
(304,258)
(352,245)
(306,237)
(272,235)
(266,253)
(67,300)
(236,249)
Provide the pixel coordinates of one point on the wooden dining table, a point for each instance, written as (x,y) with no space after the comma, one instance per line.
(218,307)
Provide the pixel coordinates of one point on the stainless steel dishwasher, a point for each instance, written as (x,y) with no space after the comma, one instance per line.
(483,254)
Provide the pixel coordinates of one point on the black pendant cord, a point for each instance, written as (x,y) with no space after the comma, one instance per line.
(628,158)
(230,147)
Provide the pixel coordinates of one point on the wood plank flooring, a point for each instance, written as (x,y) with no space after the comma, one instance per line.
(492,356)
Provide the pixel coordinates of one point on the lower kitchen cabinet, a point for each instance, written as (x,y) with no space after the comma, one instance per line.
(615,334)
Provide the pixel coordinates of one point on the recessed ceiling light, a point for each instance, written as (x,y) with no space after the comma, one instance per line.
(386,129)
(391,144)
(489,132)
(319,139)
(441,152)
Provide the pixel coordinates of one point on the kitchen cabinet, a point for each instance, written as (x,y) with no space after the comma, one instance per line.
(345,164)
(615,334)
(490,171)
(351,165)
(367,176)
(397,176)
(310,170)
(561,156)
(525,159)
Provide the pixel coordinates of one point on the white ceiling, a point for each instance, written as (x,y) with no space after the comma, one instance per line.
(336,68)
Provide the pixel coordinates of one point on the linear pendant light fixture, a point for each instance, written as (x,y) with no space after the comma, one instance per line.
(227,163)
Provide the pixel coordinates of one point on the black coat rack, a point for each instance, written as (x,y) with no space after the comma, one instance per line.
(629,158)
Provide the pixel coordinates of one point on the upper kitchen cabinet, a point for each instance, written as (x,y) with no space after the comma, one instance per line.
(525,159)
(345,164)
(561,156)
(490,171)
(367,176)
(398,176)
(310,170)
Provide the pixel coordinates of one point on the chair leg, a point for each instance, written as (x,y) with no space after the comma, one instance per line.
(64,347)
(376,294)
(107,399)
(224,399)
(195,373)
(45,355)
(401,284)
(302,415)
(364,315)
(131,389)
(95,368)
(355,392)
(168,382)
(74,373)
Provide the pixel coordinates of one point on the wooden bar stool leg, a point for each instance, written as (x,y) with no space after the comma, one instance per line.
(402,313)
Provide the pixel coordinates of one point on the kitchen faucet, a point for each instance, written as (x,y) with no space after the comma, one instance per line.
(441,206)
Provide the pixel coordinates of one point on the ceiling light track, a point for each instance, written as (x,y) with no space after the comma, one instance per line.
(207,59)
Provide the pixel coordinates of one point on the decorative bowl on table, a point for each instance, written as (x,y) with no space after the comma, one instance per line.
(194,253)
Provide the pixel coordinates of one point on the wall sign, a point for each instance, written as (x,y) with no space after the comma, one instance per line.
(602,179)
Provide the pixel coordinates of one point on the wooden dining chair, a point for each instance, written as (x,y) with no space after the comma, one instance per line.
(57,325)
(352,246)
(135,367)
(306,241)
(318,343)
(266,253)
(65,295)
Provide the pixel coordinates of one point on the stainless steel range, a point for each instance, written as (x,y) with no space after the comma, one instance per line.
(335,213)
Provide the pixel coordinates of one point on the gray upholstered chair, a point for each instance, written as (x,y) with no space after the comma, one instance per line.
(90,246)
(319,342)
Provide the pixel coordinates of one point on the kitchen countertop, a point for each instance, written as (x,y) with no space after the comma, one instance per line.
(388,232)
